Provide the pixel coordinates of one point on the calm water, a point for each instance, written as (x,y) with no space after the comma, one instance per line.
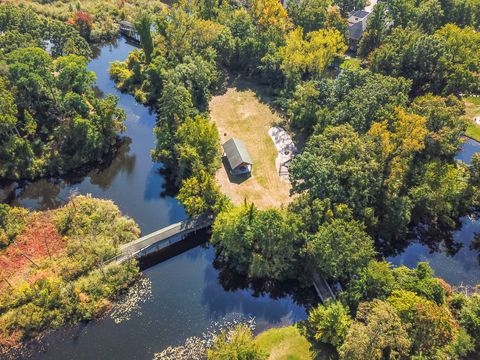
(187,295)
(463,267)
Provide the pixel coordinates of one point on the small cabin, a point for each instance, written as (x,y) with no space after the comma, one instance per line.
(357,24)
(237,157)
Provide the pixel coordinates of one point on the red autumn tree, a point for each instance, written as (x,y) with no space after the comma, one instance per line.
(83,22)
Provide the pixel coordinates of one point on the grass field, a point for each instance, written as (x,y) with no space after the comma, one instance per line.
(284,344)
(472,109)
(240,113)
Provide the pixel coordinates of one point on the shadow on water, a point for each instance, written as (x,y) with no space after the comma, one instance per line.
(191,241)
(47,191)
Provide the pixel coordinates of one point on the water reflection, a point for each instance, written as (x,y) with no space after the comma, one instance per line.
(454,255)
(124,161)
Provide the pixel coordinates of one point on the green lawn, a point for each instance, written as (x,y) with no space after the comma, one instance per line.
(472,109)
(284,344)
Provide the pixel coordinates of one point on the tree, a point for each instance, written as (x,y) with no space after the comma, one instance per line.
(441,63)
(363,98)
(260,244)
(327,324)
(201,195)
(340,249)
(442,196)
(375,281)
(364,341)
(308,14)
(347,6)
(72,74)
(83,21)
(339,165)
(376,31)
(197,147)
(469,318)
(143,24)
(445,124)
(421,281)
(270,16)
(431,326)
(235,344)
(174,106)
(311,55)
(305,106)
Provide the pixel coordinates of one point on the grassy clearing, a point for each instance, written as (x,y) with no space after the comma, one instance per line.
(284,344)
(239,113)
(472,110)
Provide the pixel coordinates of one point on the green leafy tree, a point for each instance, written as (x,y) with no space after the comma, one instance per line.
(310,15)
(347,6)
(375,281)
(143,24)
(327,324)
(197,147)
(339,165)
(201,195)
(364,341)
(431,326)
(258,243)
(305,106)
(363,98)
(377,30)
(441,63)
(469,318)
(235,344)
(340,249)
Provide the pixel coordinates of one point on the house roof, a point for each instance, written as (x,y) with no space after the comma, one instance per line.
(236,153)
(360,14)
(355,31)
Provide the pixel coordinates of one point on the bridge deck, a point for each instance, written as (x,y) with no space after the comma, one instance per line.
(161,238)
(324,290)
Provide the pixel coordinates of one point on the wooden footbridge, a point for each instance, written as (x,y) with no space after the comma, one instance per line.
(324,290)
(161,239)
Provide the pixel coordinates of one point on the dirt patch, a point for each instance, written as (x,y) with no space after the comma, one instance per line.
(240,113)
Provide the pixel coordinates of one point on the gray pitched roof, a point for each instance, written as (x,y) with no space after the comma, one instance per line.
(360,14)
(236,153)
(355,31)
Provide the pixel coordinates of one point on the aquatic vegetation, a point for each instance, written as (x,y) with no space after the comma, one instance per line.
(130,302)
(195,347)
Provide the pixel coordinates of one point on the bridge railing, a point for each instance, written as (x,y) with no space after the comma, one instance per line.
(132,249)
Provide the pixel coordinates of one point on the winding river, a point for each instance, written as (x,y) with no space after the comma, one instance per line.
(187,296)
